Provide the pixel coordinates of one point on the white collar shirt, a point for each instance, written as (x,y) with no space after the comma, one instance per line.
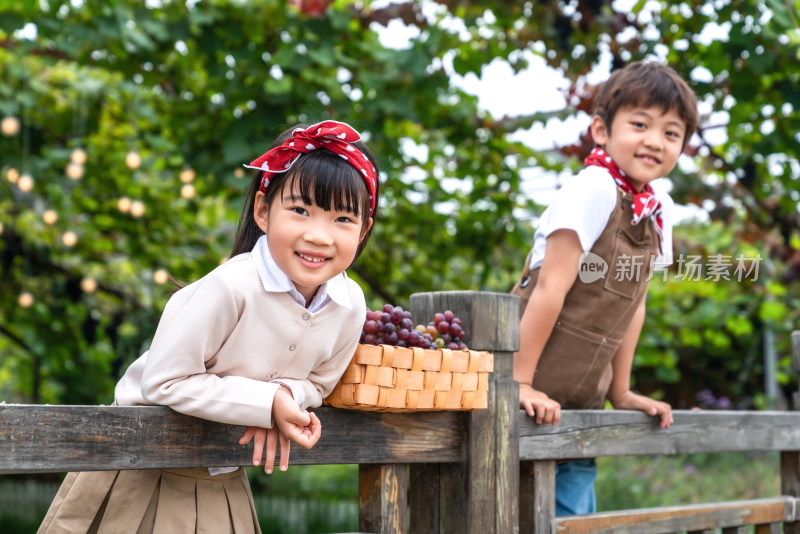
(275,280)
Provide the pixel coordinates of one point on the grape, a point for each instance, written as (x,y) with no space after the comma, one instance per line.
(370,327)
(397,315)
(392,325)
(455,330)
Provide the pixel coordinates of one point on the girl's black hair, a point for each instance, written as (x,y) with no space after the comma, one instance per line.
(323,179)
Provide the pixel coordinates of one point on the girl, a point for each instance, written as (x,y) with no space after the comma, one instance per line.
(255,342)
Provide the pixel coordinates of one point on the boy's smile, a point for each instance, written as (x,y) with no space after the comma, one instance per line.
(645,143)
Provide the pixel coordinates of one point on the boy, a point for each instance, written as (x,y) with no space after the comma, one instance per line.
(593,256)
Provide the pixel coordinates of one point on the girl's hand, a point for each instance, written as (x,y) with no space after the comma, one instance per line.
(536,403)
(633,401)
(300,426)
(272,437)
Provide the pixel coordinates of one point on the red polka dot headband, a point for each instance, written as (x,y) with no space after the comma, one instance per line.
(332,135)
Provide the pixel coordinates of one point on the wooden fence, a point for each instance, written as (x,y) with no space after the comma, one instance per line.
(438,472)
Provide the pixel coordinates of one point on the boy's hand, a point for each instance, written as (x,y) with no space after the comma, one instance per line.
(633,401)
(272,437)
(537,403)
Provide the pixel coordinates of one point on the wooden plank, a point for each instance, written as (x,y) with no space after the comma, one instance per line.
(480,477)
(424,492)
(438,494)
(490,320)
(597,433)
(527,491)
(537,496)
(680,518)
(56,438)
(38,439)
(507,457)
(383,498)
(790,485)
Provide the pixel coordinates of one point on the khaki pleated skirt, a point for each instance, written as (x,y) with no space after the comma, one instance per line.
(185,501)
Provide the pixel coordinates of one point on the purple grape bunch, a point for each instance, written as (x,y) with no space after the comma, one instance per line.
(393,326)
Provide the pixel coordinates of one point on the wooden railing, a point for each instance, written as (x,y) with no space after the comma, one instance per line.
(459,472)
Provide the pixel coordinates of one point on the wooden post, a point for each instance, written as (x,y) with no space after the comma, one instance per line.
(437,495)
(382,501)
(796,365)
(480,495)
(790,460)
(537,496)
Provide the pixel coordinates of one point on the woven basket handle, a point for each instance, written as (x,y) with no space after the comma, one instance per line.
(388,356)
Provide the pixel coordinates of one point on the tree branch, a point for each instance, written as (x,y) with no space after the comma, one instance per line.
(16,339)
(48,266)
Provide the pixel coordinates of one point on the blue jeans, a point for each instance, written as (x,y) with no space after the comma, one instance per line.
(575,487)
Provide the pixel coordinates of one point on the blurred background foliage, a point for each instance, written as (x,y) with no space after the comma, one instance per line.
(125,125)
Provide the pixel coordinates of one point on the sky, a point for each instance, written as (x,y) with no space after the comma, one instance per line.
(540,88)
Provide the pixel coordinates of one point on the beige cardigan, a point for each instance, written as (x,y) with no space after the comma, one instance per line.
(224,345)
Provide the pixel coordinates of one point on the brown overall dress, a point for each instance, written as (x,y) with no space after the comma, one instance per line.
(575,366)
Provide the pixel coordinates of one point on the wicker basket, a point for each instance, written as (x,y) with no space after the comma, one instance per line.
(396,379)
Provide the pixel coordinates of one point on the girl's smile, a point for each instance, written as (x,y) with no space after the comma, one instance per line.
(311,259)
(309,244)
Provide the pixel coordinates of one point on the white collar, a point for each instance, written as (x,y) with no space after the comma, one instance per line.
(275,280)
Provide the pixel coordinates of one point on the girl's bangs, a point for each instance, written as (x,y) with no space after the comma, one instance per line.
(326,180)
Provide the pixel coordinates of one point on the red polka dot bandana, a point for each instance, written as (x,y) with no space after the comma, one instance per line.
(645,203)
(332,135)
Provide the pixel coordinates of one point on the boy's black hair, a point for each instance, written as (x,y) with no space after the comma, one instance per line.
(647,84)
(323,179)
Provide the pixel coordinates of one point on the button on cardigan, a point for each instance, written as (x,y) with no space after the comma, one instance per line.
(222,338)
